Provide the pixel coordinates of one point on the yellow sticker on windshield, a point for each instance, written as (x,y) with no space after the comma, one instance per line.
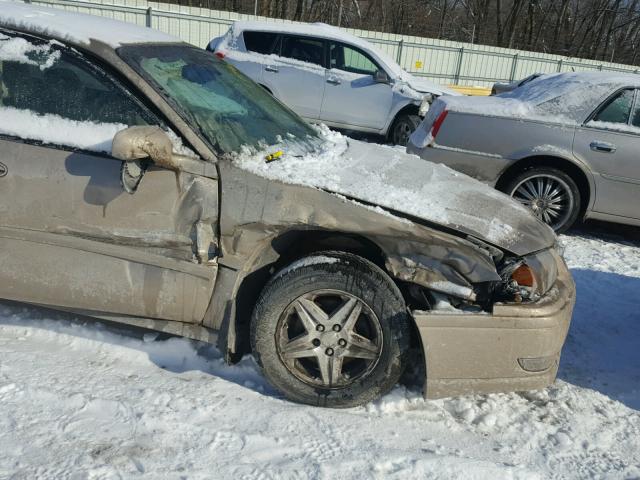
(274,156)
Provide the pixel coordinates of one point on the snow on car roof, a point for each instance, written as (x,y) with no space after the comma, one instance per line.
(321,30)
(562,97)
(77,28)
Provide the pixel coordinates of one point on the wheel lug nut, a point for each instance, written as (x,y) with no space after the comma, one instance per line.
(337,328)
(329,351)
(342,342)
(316,342)
(320,328)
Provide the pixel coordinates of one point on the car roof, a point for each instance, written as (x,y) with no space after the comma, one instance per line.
(76,28)
(321,30)
(560,97)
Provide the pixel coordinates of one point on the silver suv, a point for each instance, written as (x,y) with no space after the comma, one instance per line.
(329,76)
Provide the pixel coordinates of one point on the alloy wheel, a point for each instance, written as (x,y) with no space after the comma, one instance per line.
(549,197)
(402,133)
(329,338)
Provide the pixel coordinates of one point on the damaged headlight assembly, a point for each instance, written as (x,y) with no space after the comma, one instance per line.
(530,277)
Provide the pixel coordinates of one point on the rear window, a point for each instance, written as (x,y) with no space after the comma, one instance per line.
(260,42)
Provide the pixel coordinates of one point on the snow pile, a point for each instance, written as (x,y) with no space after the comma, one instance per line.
(17,49)
(394,180)
(56,130)
(83,401)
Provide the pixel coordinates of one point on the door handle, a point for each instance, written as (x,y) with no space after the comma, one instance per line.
(603,147)
(271,68)
(333,81)
(3,170)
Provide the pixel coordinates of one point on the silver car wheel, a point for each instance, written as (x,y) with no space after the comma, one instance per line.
(329,338)
(549,197)
(402,133)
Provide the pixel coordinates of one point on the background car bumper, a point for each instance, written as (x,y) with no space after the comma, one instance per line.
(516,348)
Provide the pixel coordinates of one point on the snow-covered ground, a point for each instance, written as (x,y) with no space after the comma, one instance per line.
(80,400)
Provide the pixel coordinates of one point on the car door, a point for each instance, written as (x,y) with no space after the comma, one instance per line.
(259,45)
(70,235)
(296,75)
(352,96)
(610,143)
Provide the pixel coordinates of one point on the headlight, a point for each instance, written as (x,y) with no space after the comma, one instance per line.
(425,105)
(532,276)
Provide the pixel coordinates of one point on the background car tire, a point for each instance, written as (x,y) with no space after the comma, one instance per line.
(362,283)
(403,126)
(539,185)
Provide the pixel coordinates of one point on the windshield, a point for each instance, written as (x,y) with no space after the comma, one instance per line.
(228,109)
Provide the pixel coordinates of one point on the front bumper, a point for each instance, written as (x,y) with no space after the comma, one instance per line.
(484,353)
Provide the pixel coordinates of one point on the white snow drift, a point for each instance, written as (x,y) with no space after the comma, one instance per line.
(80,401)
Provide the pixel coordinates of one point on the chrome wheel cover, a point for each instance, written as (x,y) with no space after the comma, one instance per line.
(329,338)
(549,197)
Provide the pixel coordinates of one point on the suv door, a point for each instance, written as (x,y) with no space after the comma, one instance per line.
(352,97)
(70,236)
(259,44)
(610,142)
(297,75)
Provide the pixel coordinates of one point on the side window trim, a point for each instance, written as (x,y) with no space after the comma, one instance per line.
(635,104)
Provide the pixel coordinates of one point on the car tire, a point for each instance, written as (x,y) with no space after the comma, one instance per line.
(402,128)
(552,194)
(327,366)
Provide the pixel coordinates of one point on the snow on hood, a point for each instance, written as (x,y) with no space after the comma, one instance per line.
(405,183)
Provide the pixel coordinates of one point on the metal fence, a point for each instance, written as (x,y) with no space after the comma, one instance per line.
(438,60)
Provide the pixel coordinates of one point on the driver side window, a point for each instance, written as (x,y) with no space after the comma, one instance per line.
(50,95)
(343,57)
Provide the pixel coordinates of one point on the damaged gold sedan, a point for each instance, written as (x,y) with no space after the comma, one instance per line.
(147,182)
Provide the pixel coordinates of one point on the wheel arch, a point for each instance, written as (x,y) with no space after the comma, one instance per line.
(279,252)
(575,171)
(409,108)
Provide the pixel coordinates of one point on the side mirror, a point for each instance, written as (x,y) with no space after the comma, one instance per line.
(381,77)
(140,143)
(135,145)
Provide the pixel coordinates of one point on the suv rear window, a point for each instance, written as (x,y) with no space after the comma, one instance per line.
(260,42)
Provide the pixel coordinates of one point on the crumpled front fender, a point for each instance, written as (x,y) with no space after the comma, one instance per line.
(450,266)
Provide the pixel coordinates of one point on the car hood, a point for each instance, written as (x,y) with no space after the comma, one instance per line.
(425,86)
(404,185)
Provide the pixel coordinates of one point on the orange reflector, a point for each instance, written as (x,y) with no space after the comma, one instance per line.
(524,276)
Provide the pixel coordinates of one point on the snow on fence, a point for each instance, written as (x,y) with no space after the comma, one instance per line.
(438,60)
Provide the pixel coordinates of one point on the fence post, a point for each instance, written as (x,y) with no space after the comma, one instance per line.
(149,17)
(459,67)
(399,59)
(514,65)
(559,65)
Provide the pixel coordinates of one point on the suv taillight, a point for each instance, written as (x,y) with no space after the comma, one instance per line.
(437,124)
(220,54)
